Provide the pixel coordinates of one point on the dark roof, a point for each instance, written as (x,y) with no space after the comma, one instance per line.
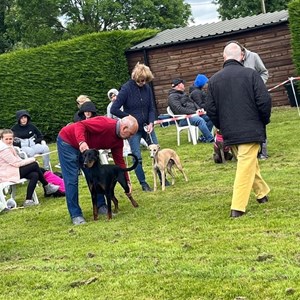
(192,33)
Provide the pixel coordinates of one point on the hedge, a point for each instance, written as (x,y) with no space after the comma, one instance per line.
(294,25)
(47,80)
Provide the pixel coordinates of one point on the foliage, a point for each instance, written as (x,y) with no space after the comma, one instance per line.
(47,80)
(294,25)
(31,23)
(178,244)
(230,9)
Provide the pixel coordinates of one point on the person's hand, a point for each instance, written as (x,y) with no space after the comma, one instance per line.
(149,128)
(201,111)
(83,146)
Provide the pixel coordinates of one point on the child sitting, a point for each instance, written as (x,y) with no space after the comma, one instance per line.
(57,180)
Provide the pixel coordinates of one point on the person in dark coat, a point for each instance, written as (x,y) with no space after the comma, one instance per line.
(181,104)
(197,94)
(87,110)
(136,98)
(239,104)
(29,137)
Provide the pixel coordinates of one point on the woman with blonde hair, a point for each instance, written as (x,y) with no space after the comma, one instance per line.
(137,100)
(80,100)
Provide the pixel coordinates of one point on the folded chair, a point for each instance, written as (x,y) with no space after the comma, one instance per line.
(193,131)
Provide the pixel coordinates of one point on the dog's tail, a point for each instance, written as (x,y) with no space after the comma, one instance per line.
(136,161)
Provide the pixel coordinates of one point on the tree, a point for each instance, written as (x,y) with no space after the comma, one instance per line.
(102,15)
(31,23)
(6,42)
(229,9)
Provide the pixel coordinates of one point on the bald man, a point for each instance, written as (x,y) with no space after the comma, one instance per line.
(240,106)
(99,133)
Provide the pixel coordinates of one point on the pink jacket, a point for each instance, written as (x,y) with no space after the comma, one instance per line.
(54,179)
(10,163)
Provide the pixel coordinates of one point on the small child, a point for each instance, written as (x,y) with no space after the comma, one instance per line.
(57,180)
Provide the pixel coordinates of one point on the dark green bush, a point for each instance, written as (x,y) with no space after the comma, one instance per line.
(294,25)
(47,80)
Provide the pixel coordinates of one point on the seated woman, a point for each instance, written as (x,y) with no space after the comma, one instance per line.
(13,168)
(29,138)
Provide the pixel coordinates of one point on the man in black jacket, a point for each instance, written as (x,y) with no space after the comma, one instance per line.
(181,104)
(239,104)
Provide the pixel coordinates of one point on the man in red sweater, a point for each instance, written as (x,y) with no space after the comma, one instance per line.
(99,133)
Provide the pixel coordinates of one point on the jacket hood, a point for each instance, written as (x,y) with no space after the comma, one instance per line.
(112,91)
(87,106)
(21,113)
(3,146)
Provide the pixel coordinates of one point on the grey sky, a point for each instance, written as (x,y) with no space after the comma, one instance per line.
(203,11)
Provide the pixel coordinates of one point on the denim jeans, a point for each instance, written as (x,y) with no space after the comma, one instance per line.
(69,159)
(200,122)
(134,143)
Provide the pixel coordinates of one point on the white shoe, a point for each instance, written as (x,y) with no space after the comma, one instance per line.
(29,202)
(51,188)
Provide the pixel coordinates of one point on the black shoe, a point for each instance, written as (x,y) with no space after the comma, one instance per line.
(263,200)
(146,187)
(236,213)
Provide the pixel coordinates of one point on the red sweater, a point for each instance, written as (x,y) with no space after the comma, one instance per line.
(99,133)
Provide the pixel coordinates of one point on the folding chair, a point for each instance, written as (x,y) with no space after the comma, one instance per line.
(192,130)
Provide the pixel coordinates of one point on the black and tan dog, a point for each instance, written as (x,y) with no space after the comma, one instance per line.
(164,160)
(102,179)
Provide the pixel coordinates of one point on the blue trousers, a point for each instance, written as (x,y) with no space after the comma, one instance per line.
(69,159)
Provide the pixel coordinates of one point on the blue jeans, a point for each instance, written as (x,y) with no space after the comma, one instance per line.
(69,159)
(200,122)
(134,143)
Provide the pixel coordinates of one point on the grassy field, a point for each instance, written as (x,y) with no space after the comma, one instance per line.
(179,244)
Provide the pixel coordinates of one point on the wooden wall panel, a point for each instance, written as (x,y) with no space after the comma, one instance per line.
(186,60)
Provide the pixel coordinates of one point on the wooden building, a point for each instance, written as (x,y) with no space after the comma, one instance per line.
(188,51)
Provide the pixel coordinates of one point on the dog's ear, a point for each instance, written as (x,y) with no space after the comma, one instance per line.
(158,146)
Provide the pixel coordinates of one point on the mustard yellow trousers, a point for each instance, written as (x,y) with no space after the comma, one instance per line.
(247,176)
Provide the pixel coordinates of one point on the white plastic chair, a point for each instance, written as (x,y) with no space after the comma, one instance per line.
(193,131)
(11,188)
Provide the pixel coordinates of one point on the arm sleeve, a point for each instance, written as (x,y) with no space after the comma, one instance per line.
(211,108)
(14,160)
(117,154)
(116,108)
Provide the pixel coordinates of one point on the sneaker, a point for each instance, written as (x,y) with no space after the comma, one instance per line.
(202,139)
(262,157)
(146,187)
(102,210)
(78,220)
(29,202)
(51,188)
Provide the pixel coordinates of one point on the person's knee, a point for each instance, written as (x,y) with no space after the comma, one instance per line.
(29,151)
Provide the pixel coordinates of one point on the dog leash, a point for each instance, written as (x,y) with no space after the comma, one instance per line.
(149,134)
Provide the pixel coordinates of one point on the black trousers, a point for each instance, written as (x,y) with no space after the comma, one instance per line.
(33,173)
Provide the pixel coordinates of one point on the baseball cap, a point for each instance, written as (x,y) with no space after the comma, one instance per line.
(177,81)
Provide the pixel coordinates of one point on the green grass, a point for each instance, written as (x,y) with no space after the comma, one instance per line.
(179,244)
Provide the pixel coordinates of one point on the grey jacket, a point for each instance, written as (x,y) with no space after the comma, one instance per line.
(252,60)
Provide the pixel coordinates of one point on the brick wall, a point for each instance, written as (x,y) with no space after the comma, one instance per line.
(186,60)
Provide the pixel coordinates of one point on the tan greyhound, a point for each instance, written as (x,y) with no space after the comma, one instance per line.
(163,160)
